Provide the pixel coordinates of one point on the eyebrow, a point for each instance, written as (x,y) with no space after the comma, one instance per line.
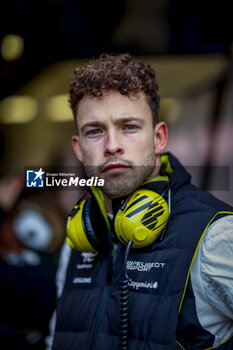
(141,120)
(93,123)
(118,121)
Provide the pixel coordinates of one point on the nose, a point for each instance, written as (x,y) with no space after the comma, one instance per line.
(113,144)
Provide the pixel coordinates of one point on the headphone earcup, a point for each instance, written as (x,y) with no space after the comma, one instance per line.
(141,218)
(90,233)
(80,234)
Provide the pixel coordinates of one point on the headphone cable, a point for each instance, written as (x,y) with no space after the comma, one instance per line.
(124,303)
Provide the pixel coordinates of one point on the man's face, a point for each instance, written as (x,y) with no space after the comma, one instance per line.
(116,141)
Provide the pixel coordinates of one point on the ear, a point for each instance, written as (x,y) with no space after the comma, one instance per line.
(77,148)
(160,137)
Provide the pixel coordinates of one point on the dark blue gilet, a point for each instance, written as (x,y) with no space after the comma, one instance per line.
(162,314)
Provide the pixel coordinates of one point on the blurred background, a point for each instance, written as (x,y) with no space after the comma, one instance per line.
(189,43)
(190,46)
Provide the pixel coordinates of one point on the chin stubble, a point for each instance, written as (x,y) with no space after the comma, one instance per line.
(117,185)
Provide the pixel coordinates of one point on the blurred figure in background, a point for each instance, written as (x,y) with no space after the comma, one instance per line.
(32,227)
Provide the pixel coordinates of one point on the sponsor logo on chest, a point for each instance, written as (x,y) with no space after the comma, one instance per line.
(144,266)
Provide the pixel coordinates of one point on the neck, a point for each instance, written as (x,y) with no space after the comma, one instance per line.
(108,203)
(157,166)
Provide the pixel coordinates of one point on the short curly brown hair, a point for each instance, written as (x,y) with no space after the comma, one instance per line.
(114,72)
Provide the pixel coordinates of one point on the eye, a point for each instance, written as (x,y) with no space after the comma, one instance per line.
(93,132)
(130,127)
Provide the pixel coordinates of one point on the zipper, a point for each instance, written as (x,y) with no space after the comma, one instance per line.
(99,314)
(102,305)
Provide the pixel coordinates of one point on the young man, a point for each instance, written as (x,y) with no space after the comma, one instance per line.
(181,284)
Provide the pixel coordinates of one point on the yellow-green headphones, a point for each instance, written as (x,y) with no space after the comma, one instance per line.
(140,218)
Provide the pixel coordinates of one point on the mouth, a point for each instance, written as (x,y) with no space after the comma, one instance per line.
(113,168)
